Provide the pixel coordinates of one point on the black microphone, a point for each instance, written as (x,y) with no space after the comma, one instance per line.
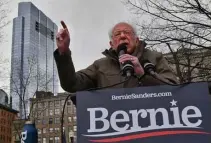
(127,67)
(149,68)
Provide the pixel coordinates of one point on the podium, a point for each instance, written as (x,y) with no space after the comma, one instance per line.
(157,114)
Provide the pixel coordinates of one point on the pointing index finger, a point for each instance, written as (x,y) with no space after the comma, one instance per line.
(63,25)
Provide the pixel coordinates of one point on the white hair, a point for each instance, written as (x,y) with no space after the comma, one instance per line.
(132,26)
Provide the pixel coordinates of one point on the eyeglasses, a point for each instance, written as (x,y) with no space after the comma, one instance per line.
(125,32)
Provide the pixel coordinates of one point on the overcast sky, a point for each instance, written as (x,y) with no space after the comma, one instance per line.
(88,21)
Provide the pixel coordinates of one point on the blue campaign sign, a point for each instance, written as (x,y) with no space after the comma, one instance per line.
(161,114)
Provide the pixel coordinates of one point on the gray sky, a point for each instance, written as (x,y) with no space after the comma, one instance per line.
(88,22)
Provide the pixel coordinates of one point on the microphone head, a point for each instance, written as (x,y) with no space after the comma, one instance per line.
(148,66)
(122,47)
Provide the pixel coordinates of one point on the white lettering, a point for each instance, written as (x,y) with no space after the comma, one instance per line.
(113,120)
(23,136)
(185,116)
(176,115)
(93,119)
(113,97)
(131,120)
(135,114)
(153,113)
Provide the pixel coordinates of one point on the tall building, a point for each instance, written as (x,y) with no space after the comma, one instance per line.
(7,115)
(47,111)
(32,64)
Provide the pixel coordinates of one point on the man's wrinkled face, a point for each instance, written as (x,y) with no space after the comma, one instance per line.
(124,33)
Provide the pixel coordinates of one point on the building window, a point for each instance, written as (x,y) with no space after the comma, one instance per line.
(50,120)
(41,114)
(57,120)
(51,130)
(51,112)
(44,130)
(70,130)
(74,110)
(37,26)
(39,140)
(74,118)
(69,119)
(57,103)
(68,103)
(57,111)
(33,113)
(52,35)
(69,110)
(46,112)
(34,106)
(56,139)
(51,140)
(44,121)
(40,105)
(71,135)
(51,103)
(74,128)
(56,129)
(44,140)
(38,121)
(39,131)
(62,102)
(45,104)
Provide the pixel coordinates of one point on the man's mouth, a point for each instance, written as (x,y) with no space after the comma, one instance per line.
(121,42)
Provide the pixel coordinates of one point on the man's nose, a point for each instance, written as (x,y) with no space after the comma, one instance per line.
(123,35)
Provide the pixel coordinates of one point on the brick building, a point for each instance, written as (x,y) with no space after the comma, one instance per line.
(46,112)
(7,115)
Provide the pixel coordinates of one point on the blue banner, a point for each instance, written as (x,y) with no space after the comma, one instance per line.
(157,114)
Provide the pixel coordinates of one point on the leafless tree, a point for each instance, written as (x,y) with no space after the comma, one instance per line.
(3,16)
(4,62)
(4,70)
(23,81)
(190,65)
(180,28)
(17,128)
(34,112)
(164,21)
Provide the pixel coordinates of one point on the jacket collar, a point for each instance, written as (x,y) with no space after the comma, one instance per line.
(110,53)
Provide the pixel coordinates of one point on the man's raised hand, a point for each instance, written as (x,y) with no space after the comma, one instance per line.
(63,39)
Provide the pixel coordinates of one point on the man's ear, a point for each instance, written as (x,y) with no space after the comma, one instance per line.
(111,44)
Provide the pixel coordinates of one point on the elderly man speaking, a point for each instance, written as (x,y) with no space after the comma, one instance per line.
(106,71)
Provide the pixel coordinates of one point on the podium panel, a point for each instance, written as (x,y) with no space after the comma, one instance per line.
(156,114)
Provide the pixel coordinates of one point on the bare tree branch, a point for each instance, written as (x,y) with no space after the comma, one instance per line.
(173,21)
(22,82)
(3,17)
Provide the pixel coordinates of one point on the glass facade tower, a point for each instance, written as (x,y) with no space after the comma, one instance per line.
(32,64)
